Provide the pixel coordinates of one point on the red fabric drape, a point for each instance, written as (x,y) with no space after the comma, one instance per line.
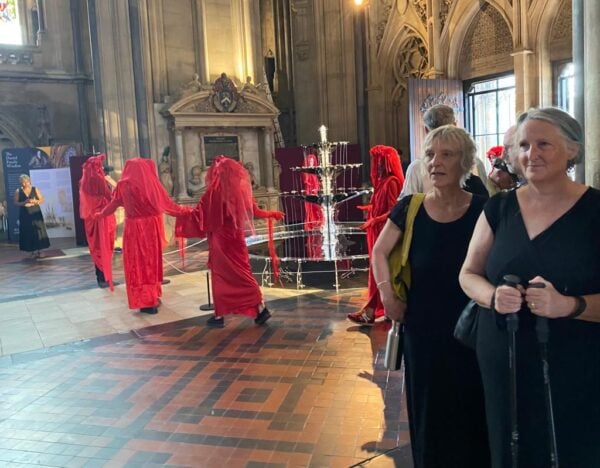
(95,195)
(144,199)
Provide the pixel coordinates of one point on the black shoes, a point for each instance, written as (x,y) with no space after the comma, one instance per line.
(165,281)
(219,322)
(215,321)
(103,284)
(263,316)
(149,310)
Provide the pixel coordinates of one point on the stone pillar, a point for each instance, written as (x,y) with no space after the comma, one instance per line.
(525,76)
(578,48)
(268,151)
(591,62)
(181,169)
(114,72)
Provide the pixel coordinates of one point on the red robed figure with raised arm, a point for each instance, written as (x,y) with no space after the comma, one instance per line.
(227,209)
(145,200)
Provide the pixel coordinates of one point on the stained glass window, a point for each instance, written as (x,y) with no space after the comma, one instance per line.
(10,27)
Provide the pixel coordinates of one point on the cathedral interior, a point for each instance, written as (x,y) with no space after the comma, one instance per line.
(86,382)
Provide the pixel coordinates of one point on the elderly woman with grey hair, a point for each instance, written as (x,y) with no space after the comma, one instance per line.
(444,391)
(547,233)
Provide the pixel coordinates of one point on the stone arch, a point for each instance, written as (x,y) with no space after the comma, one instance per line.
(553,42)
(410,60)
(11,131)
(11,136)
(455,35)
(487,45)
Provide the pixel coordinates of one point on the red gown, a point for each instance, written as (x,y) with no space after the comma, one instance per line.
(145,200)
(235,289)
(313,213)
(94,196)
(387,179)
(223,215)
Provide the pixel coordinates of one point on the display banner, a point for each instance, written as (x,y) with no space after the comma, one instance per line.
(48,169)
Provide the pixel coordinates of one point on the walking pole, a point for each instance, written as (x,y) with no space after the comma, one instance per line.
(512,326)
(542,332)
(208,306)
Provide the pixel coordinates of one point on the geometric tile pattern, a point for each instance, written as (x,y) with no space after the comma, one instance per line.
(305,390)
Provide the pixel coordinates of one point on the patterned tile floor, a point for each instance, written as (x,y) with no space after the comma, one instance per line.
(86,382)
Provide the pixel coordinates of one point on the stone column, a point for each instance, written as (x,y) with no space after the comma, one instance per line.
(591,63)
(578,48)
(114,70)
(181,169)
(268,151)
(525,76)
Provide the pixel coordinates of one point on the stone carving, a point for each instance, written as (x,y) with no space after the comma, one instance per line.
(250,168)
(193,86)
(225,94)
(421,9)
(411,62)
(16,58)
(44,136)
(165,171)
(563,23)
(444,11)
(488,36)
(386,8)
(302,50)
(440,98)
(196,181)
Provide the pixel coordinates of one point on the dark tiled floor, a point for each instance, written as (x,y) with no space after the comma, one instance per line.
(305,390)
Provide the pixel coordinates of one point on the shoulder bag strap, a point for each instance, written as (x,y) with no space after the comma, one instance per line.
(415,203)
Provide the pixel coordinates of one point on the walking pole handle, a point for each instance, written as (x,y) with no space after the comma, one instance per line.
(512,320)
(542,329)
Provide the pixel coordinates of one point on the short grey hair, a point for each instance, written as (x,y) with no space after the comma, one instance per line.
(568,128)
(459,137)
(23,177)
(438,115)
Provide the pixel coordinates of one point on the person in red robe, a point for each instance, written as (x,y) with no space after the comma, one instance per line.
(227,209)
(94,195)
(313,212)
(145,200)
(387,178)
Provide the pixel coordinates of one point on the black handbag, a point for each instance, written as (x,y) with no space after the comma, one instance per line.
(465,330)
(33,209)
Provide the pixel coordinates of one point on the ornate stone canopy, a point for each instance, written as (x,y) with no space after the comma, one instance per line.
(205,119)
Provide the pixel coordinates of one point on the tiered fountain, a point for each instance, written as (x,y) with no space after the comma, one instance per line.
(318,252)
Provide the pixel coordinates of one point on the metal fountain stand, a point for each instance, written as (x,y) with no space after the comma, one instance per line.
(329,200)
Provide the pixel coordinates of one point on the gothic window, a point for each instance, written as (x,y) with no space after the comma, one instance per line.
(490,110)
(10,28)
(564,95)
(19,22)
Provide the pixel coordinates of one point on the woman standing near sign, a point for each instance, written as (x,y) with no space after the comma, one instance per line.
(32,230)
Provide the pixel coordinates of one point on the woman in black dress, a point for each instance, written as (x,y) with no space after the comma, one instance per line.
(32,230)
(444,390)
(547,232)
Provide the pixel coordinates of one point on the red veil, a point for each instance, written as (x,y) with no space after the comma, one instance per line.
(228,195)
(94,195)
(385,162)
